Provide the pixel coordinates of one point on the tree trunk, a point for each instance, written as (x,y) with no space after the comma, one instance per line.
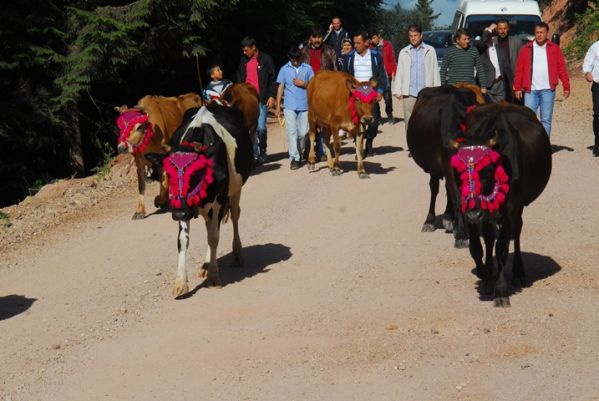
(73,133)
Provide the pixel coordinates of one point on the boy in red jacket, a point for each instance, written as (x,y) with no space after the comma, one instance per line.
(539,66)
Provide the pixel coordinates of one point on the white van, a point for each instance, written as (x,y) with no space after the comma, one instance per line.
(476,15)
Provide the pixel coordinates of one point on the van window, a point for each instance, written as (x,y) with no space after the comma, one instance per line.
(519,24)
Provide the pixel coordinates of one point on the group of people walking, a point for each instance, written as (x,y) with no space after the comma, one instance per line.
(502,65)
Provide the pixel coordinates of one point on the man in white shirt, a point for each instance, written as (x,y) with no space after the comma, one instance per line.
(365,63)
(590,68)
(417,68)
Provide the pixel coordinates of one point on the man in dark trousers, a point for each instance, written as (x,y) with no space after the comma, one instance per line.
(508,48)
(336,35)
(365,64)
(257,69)
(495,63)
(385,48)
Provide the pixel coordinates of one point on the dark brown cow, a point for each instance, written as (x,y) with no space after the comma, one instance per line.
(336,100)
(503,165)
(245,98)
(145,131)
(438,117)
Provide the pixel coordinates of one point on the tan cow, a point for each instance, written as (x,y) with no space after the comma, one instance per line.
(145,131)
(336,100)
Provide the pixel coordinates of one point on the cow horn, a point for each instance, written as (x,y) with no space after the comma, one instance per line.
(454,144)
(121,109)
(493,141)
(351,85)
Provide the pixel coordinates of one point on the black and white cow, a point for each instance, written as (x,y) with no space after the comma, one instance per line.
(211,159)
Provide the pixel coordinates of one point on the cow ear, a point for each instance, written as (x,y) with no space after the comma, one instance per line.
(350,84)
(121,109)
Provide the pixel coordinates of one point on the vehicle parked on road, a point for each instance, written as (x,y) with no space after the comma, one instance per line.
(440,40)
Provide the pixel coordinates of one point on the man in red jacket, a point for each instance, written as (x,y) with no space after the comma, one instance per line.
(540,64)
(385,48)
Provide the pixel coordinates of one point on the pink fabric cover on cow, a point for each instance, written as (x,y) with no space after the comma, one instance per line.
(126,122)
(180,166)
(469,161)
(363,93)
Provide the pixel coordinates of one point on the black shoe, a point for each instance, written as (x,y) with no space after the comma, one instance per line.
(258,162)
(295,165)
(596,151)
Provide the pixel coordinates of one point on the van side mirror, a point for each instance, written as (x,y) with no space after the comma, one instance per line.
(555,38)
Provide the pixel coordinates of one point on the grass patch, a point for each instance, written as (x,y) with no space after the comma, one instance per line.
(5,219)
(587,32)
(103,169)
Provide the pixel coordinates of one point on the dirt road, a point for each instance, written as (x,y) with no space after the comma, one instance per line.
(342,296)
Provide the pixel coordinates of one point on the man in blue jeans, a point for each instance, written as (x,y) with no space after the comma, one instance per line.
(539,67)
(257,69)
(293,79)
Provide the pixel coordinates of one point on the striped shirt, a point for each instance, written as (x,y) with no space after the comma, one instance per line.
(459,66)
(363,66)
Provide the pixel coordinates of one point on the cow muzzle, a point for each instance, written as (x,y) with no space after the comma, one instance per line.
(122,148)
(474,216)
(182,214)
(367,120)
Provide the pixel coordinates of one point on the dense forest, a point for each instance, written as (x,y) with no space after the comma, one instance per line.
(64,65)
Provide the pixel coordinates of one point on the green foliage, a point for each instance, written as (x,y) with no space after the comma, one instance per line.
(587,32)
(65,64)
(5,219)
(103,169)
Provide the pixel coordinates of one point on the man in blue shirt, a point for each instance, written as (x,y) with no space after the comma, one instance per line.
(293,80)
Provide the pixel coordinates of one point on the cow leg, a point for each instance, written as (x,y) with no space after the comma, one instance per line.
(213,229)
(448,214)
(476,250)
(501,250)
(181,287)
(311,154)
(335,165)
(460,233)
(360,155)
(161,200)
(517,264)
(235,214)
(429,223)
(140,213)
(486,272)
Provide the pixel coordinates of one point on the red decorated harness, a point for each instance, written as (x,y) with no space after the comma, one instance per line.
(180,166)
(469,161)
(126,122)
(364,94)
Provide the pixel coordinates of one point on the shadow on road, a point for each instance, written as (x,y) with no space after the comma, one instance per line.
(536,267)
(559,148)
(267,167)
(12,305)
(257,259)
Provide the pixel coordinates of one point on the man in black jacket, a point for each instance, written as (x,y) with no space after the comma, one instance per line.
(366,64)
(336,35)
(257,69)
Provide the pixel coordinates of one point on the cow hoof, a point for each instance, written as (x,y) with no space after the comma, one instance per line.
(180,289)
(237,261)
(138,216)
(311,166)
(336,171)
(214,281)
(363,175)
(428,228)
(502,302)
(447,225)
(487,287)
(461,243)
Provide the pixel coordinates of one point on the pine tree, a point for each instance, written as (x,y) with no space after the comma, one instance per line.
(424,14)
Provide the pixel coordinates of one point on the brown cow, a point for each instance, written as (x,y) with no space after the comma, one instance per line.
(244,97)
(145,131)
(336,100)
